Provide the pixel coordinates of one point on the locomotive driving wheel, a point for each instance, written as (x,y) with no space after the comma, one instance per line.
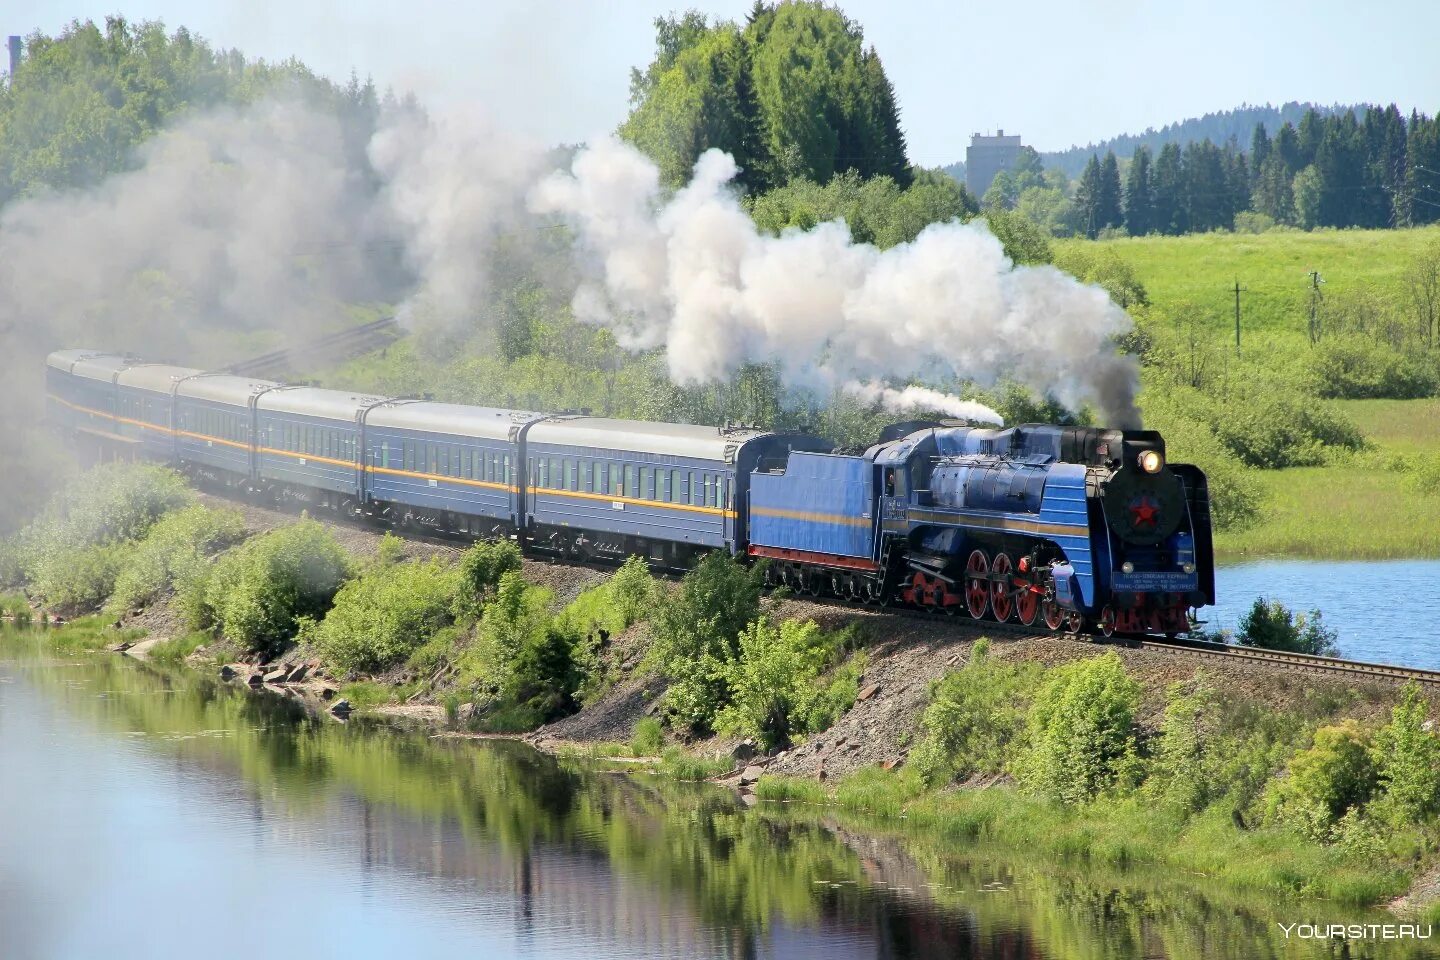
(1027,603)
(977,584)
(1054,614)
(1107,621)
(1074,623)
(1002,603)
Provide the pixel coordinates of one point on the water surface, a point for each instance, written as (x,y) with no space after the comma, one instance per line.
(145,813)
(1384,611)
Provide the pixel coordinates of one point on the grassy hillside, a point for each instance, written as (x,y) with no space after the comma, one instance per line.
(1273,270)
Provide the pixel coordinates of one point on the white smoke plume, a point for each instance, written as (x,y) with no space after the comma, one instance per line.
(693,273)
(452,189)
(922,398)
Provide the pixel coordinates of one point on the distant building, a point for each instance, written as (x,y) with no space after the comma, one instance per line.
(15,48)
(987,156)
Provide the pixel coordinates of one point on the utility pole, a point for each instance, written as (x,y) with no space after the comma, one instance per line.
(1315,297)
(1238,290)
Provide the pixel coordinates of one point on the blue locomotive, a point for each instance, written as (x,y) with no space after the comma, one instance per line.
(1068,526)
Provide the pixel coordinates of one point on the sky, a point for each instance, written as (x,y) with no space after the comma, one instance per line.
(1057,73)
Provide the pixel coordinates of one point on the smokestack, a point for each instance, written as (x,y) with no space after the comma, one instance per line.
(15,48)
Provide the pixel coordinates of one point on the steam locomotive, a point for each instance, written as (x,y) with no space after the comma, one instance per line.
(1073,527)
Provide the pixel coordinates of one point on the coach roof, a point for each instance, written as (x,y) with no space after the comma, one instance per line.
(317,402)
(223,388)
(454,419)
(642,436)
(156,377)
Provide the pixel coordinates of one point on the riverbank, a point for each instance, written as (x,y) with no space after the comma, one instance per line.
(1030,740)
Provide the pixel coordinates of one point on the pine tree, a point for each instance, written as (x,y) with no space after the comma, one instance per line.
(1139,199)
(884,117)
(1422,167)
(1259,152)
(1273,194)
(1087,198)
(1168,191)
(1108,212)
(1287,148)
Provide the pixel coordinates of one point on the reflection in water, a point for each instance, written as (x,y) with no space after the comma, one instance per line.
(145,812)
(1381,610)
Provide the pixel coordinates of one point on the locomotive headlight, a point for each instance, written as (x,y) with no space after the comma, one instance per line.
(1127,567)
(1151,461)
(1188,567)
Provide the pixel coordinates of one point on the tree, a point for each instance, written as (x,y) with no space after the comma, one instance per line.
(1272,626)
(1087,198)
(1168,189)
(1259,148)
(1407,755)
(1273,194)
(1287,148)
(1307,188)
(1139,197)
(1108,213)
(1422,282)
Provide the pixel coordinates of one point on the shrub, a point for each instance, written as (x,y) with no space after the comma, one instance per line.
(110,503)
(974,715)
(1334,775)
(256,593)
(1357,366)
(79,579)
(774,684)
(524,659)
(697,634)
(1080,730)
(176,545)
(648,738)
(1425,474)
(384,615)
(481,568)
(1272,626)
(1407,760)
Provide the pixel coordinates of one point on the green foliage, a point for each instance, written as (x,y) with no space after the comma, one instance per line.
(173,551)
(481,569)
(648,738)
(256,594)
(876,211)
(974,717)
(381,617)
(629,596)
(1357,366)
(1336,774)
(530,664)
(697,632)
(176,649)
(73,553)
(1407,761)
(677,764)
(1080,730)
(1273,626)
(774,684)
(79,579)
(794,94)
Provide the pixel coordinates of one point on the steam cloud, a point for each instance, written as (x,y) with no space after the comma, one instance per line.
(694,274)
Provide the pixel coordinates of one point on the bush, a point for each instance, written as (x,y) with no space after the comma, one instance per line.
(1356,367)
(774,684)
(172,550)
(481,568)
(974,715)
(384,615)
(1336,774)
(648,739)
(527,662)
(1407,760)
(697,634)
(1272,626)
(256,594)
(1080,730)
(79,579)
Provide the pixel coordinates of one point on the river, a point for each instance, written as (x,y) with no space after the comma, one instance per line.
(1382,611)
(151,813)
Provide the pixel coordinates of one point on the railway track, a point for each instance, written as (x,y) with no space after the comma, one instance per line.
(332,348)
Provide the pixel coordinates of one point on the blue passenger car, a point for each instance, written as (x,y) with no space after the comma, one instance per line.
(444,465)
(597,486)
(145,394)
(214,425)
(308,439)
(83,385)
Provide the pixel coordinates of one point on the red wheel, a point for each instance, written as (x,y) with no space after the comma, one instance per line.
(1002,603)
(1027,603)
(1074,623)
(977,584)
(1107,621)
(1054,614)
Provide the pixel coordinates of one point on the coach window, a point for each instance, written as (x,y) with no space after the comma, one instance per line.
(709,490)
(587,476)
(602,478)
(572,474)
(490,466)
(724,487)
(665,479)
(552,474)
(682,494)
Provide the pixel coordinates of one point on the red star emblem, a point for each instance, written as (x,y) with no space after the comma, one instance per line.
(1144,512)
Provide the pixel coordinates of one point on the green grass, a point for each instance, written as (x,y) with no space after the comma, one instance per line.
(176,649)
(679,765)
(366,694)
(1272,268)
(1357,508)
(782,789)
